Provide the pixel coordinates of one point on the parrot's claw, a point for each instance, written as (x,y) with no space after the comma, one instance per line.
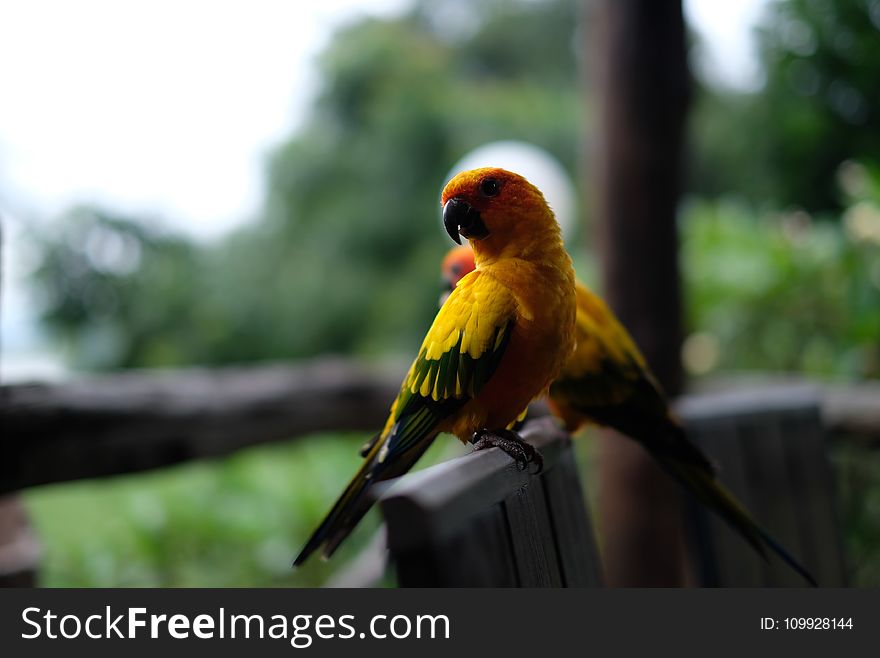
(511,443)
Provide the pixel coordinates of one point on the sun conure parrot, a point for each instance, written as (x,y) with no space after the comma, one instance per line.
(606,381)
(495,345)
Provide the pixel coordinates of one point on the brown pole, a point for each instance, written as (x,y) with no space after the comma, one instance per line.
(642,83)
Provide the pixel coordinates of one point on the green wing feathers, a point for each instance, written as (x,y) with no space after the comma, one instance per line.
(438,387)
(459,355)
(356,500)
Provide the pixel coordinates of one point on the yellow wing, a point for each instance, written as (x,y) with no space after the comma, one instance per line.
(460,352)
(606,381)
(606,367)
(458,356)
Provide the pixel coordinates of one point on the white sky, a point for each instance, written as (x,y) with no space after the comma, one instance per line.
(168,107)
(159,106)
(727,54)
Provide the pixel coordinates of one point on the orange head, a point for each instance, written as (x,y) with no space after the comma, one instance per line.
(501,213)
(456,264)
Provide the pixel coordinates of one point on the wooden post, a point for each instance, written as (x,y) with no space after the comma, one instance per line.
(19,548)
(642,83)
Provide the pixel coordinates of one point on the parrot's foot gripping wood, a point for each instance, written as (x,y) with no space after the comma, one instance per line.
(512,444)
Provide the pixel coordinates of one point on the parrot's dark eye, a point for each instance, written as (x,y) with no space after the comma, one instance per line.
(490,187)
(456,269)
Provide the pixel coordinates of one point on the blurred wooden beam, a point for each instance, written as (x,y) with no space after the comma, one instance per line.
(130,422)
(853,411)
(850,411)
(642,82)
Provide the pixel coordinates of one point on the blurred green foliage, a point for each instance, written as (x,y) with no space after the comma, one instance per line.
(818,105)
(783,291)
(349,239)
(857,474)
(234,522)
(344,255)
(120,292)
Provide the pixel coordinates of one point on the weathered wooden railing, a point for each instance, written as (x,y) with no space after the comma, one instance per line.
(123,423)
(770,448)
(477,521)
(480,521)
(114,424)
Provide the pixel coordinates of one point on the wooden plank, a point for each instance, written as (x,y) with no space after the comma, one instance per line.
(549,540)
(446,526)
(774,498)
(122,423)
(429,506)
(495,542)
(750,403)
(814,509)
(850,411)
(785,482)
(433,504)
(418,568)
(853,411)
(534,562)
(481,555)
(726,560)
(575,545)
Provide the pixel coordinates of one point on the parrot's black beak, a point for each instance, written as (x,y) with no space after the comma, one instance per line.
(461,218)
